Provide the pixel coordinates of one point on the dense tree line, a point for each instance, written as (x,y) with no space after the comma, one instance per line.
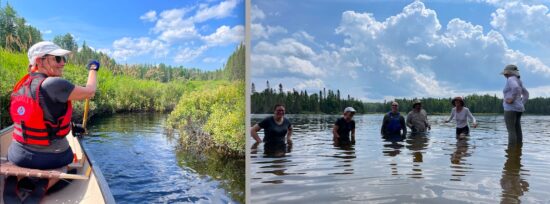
(301,101)
(331,102)
(16,35)
(19,37)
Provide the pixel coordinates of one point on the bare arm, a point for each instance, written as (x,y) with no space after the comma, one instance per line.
(254,132)
(353,135)
(88,91)
(289,135)
(335,132)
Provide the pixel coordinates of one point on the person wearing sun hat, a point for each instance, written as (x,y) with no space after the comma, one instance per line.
(417,119)
(461,114)
(344,127)
(515,97)
(41,111)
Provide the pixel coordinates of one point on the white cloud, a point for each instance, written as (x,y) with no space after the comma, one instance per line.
(150,16)
(46,31)
(188,54)
(409,54)
(259,31)
(225,35)
(223,9)
(172,26)
(517,20)
(311,84)
(129,47)
(256,13)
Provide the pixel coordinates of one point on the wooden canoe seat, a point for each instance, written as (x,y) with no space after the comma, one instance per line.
(9,169)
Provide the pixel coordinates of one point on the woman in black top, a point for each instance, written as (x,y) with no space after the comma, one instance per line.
(343,127)
(275,127)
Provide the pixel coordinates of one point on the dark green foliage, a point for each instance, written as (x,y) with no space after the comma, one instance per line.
(331,102)
(15,35)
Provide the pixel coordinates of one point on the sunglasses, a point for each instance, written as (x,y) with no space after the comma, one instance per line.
(58,58)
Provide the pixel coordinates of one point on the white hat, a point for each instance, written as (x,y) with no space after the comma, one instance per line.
(45,48)
(349,109)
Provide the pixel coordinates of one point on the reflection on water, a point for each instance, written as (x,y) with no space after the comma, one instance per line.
(142,165)
(436,167)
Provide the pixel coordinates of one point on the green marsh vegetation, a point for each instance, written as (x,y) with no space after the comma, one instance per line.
(209,103)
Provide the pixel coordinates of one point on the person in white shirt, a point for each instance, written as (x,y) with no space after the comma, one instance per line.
(515,97)
(461,115)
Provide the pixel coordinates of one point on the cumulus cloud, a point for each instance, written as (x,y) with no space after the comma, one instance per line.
(130,47)
(187,54)
(311,84)
(415,54)
(256,13)
(221,10)
(225,35)
(150,16)
(517,20)
(177,29)
(409,54)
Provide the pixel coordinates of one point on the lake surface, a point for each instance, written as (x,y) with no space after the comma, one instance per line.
(144,165)
(435,168)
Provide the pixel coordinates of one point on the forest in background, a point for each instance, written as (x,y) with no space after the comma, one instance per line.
(131,88)
(331,102)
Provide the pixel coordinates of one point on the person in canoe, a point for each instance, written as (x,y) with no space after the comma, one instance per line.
(343,130)
(461,114)
(41,110)
(276,128)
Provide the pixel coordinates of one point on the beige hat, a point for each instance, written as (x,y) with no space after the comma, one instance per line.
(511,70)
(416,102)
(45,48)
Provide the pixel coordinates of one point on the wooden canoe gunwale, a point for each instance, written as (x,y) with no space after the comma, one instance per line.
(100,179)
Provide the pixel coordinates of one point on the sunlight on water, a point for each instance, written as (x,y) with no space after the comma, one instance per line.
(432,168)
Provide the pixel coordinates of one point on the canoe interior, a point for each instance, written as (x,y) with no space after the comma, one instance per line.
(93,190)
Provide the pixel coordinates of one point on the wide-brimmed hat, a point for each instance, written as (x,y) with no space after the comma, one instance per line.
(416,102)
(458,98)
(511,70)
(45,48)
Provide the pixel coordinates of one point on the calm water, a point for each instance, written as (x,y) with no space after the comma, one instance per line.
(436,168)
(143,165)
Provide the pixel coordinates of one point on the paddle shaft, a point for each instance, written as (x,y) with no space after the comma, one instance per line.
(86,109)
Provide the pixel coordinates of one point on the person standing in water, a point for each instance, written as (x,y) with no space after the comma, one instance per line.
(393,123)
(417,119)
(461,114)
(344,127)
(515,97)
(275,127)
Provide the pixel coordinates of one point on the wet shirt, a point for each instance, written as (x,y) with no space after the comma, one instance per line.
(462,117)
(514,90)
(274,134)
(53,96)
(393,118)
(418,120)
(344,128)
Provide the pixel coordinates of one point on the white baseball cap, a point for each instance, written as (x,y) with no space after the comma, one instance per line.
(45,48)
(349,109)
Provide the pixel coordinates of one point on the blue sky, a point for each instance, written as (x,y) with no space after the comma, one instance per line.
(376,50)
(200,34)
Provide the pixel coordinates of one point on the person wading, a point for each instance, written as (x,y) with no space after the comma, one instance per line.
(276,128)
(515,97)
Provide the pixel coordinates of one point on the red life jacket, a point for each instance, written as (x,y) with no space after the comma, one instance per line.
(30,127)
